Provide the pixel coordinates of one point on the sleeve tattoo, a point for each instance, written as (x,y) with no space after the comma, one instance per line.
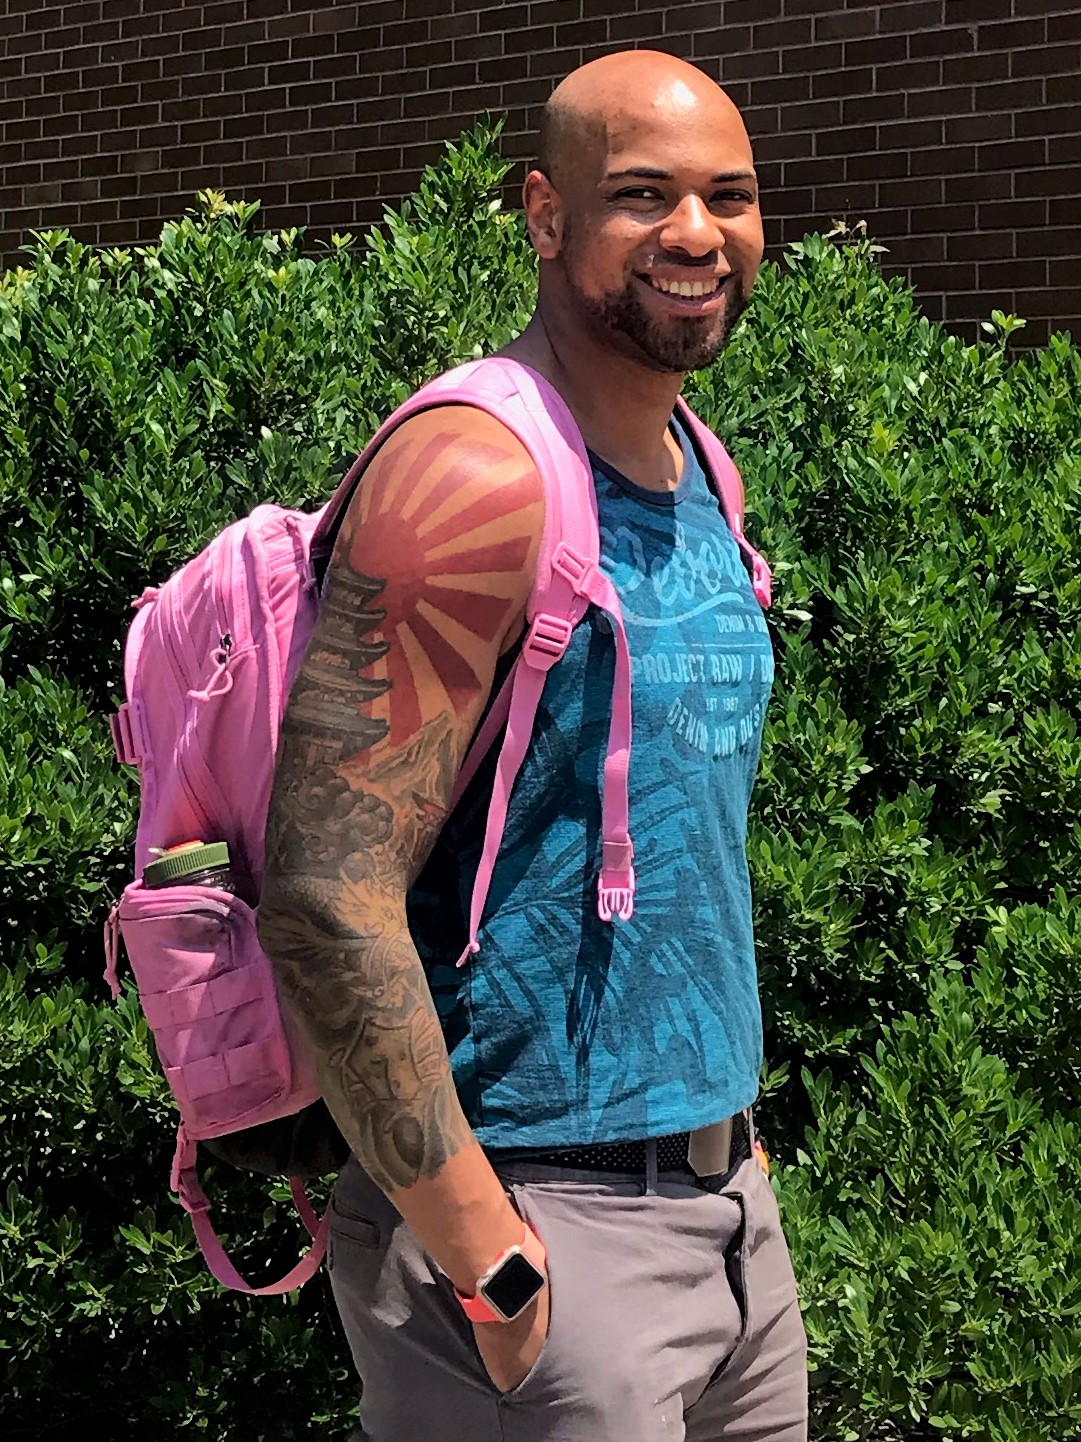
(395,677)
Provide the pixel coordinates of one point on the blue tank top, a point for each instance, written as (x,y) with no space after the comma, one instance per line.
(566,1030)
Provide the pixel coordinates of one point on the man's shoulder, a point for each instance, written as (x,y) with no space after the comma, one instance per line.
(454,445)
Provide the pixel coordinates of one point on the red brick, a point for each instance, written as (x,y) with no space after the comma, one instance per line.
(626,28)
(833,83)
(682,19)
(975,69)
(452,27)
(1061,89)
(911,134)
(933,219)
(1024,214)
(865,109)
(846,198)
(555,12)
(329,68)
(290,72)
(923,190)
(1012,155)
(289,121)
(1064,27)
(812,58)
(846,25)
(883,165)
(406,32)
(991,185)
(1050,60)
(479,47)
(909,17)
(1051,120)
(1051,303)
(782,34)
(958,40)
(1012,35)
(978,128)
(810,115)
(744,12)
(1060,180)
(878,50)
(1061,149)
(267,52)
(733,42)
(1018,274)
(581,32)
(750,65)
(992,245)
(1050,243)
(944,160)
(949,277)
(851,141)
(1063,272)
(1062,212)
(780,89)
(792,145)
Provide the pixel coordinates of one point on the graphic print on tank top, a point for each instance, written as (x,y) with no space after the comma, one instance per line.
(566,1030)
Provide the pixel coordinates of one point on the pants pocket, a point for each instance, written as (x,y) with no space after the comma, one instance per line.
(209,996)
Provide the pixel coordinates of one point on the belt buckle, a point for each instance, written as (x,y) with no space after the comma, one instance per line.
(709,1149)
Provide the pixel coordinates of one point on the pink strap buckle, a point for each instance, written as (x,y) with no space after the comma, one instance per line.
(573,568)
(124,743)
(548,639)
(616,882)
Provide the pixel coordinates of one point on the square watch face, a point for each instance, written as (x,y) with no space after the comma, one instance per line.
(514,1286)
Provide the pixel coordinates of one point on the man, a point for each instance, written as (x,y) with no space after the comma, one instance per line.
(521,1126)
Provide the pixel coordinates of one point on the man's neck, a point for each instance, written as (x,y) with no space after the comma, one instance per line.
(621,407)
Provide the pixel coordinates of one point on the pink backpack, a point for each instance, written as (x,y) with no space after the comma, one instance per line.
(208,665)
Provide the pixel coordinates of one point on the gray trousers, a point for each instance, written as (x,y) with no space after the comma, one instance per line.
(673,1316)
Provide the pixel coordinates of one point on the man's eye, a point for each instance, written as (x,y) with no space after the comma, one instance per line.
(732,197)
(637,192)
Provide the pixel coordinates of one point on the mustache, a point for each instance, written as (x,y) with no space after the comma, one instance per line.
(681,258)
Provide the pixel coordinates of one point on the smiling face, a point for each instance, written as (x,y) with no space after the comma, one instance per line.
(648,217)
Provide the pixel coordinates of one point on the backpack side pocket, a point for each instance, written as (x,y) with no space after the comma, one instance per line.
(208,992)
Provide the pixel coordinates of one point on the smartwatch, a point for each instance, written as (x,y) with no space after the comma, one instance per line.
(513,1280)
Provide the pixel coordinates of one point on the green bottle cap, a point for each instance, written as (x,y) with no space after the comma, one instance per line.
(183,861)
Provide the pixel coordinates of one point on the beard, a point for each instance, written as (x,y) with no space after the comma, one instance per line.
(672,346)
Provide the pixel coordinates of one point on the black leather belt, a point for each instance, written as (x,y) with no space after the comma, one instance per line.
(629,1158)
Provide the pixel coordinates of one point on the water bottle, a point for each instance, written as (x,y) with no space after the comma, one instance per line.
(191,863)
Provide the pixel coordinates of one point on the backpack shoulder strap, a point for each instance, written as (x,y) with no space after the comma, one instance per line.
(727,485)
(568,579)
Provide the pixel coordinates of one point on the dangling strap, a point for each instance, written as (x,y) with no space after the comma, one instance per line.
(547,641)
(615,883)
(112,950)
(727,485)
(185,1182)
(575,582)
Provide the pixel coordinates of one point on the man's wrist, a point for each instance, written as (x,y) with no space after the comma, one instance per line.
(511,1283)
(472,1250)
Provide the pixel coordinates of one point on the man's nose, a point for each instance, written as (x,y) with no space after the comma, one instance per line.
(690,227)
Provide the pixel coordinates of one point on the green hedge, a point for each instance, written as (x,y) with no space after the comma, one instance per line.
(915,846)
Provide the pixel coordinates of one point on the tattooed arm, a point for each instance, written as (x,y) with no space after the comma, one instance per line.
(428,584)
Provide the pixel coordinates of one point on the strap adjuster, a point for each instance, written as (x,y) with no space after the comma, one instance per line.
(547,642)
(124,741)
(572,567)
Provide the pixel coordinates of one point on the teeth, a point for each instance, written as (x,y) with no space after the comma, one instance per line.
(690,289)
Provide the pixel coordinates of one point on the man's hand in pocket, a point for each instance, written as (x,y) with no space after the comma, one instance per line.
(509,1350)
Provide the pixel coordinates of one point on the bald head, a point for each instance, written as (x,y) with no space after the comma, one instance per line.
(601,104)
(644,211)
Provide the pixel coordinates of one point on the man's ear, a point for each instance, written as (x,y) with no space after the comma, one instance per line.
(543,214)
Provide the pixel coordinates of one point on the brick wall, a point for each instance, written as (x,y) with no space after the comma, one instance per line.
(952,126)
